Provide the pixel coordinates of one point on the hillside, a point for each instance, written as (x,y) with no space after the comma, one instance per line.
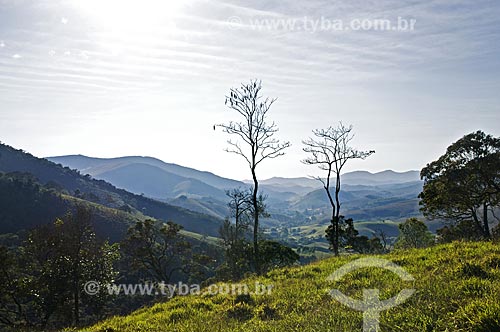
(389,194)
(457,289)
(366,197)
(99,167)
(157,183)
(25,203)
(73,185)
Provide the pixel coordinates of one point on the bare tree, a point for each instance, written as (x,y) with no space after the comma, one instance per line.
(330,150)
(383,239)
(240,206)
(257,136)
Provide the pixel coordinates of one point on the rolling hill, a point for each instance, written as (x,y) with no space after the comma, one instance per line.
(292,202)
(457,289)
(98,166)
(72,185)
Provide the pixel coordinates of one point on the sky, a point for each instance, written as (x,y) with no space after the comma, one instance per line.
(110,78)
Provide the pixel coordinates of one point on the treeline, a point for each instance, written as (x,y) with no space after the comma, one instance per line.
(43,276)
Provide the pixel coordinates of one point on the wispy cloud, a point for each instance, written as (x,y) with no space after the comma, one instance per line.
(52,50)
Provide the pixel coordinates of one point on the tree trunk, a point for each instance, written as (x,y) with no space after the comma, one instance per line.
(236,221)
(486,226)
(77,303)
(256,222)
(337,215)
(332,221)
(479,228)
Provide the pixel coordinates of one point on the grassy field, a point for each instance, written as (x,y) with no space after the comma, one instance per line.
(457,289)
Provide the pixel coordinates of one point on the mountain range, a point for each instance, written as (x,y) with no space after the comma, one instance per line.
(291,201)
(155,178)
(123,190)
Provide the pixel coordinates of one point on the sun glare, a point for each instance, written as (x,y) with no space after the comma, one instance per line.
(130,15)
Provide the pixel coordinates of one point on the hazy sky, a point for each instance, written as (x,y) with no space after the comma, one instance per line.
(110,78)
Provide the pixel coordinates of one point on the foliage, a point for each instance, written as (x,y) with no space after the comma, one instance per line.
(350,239)
(44,279)
(464,183)
(237,252)
(24,202)
(414,234)
(459,230)
(156,249)
(275,255)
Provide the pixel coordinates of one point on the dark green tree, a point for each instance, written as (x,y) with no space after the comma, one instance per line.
(414,233)
(464,183)
(14,296)
(350,238)
(64,256)
(276,255)
(157,249)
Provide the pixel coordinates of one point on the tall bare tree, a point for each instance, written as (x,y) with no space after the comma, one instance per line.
(330,150)
(258,137)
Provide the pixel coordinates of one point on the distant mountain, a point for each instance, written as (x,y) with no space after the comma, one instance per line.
(318,199)
(98,166)
(157,183)
(291,182)
(366,202)
(356,177)
(72,184)
(151,177)
(384,177)
(364,196)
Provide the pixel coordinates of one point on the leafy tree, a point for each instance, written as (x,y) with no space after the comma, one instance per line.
(459,230)
(157,249)
(13,296)
(258,137)
(464,183)
(330,150)
(276,255)
(63,257)
(350,238)
(414,234)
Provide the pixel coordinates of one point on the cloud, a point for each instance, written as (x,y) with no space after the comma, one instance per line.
(191,58)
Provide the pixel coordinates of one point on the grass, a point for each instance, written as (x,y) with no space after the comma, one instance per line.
(458,289)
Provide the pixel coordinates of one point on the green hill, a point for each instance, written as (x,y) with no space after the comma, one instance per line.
(457,289)
(73,185)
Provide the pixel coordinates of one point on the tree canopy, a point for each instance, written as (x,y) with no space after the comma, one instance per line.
(464,183)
